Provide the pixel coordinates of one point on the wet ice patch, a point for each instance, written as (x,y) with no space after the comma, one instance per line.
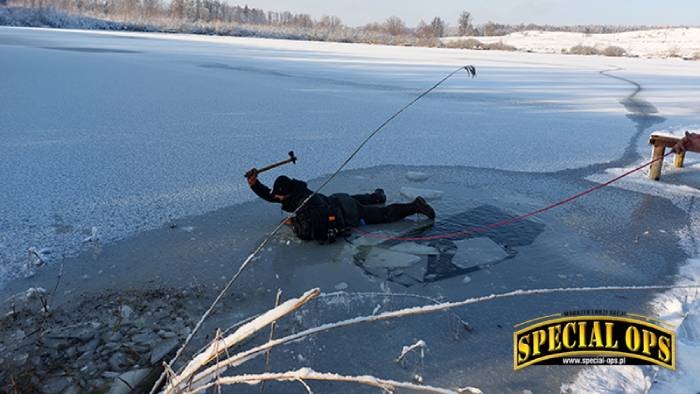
(477,252)
(428,194)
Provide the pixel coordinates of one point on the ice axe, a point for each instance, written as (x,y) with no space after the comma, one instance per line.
(292,159)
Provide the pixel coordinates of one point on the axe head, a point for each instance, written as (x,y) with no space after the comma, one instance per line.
(292,157)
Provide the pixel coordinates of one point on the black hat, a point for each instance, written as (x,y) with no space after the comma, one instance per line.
(285,186)
(282,186)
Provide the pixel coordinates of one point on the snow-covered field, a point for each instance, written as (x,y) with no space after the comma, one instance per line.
(661,43)
(125,132)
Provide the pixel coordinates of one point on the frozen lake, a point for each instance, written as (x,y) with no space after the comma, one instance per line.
(125,132)
(129,132)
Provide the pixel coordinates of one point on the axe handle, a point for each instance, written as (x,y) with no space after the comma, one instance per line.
(275,165)
(271,166)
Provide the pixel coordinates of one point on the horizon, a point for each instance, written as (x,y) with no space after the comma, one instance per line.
(542,12)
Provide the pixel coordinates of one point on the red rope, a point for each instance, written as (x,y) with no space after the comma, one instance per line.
(506,222)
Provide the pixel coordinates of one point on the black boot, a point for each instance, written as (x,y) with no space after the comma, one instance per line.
(422,207)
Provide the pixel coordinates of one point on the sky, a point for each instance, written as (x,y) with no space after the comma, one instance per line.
(555,12)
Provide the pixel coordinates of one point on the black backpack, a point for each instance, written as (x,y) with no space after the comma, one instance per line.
(318,221)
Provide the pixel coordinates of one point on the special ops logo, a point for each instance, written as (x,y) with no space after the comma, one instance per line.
(589,340)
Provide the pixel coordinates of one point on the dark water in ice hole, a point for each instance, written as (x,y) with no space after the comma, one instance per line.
(438,264)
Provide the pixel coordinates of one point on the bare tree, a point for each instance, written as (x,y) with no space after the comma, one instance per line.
(424,30)
(438,26)
(330,22)
(465,24)
(395,26)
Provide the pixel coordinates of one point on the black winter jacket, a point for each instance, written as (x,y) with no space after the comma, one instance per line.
(297,191)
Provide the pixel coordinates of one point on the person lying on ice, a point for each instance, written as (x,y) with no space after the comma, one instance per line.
(324,217)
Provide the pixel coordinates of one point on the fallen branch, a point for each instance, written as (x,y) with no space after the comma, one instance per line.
(245,331)
(247,355)
(309,374)
(272,335)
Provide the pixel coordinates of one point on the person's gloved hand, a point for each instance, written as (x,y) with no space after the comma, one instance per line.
(252,176)
(691,141)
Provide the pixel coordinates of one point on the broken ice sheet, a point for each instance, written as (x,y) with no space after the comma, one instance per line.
(428,194)
(477,251)
(385,258)
(414,248)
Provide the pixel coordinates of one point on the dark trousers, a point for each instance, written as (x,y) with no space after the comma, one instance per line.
(364,209)
(365,199)
(373,214)
(389,213)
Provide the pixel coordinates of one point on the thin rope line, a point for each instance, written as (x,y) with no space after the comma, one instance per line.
(516,219)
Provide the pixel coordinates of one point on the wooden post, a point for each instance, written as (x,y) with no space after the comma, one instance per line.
(655,170)
(678,162)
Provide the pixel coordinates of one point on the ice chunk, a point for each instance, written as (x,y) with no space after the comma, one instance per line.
(417,176)
(428,194)
(385,258)
(341,286)
(414,248)
(477,251)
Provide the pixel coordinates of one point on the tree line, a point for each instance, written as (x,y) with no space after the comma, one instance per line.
(219,17)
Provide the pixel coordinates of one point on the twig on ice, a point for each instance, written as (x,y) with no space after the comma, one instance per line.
(306,386)
(309,374)
(470,390)
(272,335)
(407,349)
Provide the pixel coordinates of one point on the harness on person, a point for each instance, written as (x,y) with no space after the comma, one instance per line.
(318,221)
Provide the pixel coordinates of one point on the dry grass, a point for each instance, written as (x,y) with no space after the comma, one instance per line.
(468,43)
(499,46)
(583,50)
(614,51)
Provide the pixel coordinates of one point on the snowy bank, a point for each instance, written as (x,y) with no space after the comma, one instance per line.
(660,43)
(679,307)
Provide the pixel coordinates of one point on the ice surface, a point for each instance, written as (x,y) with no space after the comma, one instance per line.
(128,131)
(414,248)
(477,251)
(428,194)
(417,176)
